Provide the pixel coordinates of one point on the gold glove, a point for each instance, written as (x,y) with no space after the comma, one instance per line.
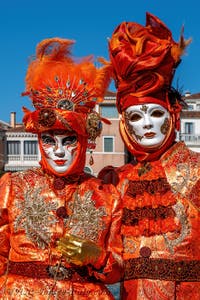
(77,250)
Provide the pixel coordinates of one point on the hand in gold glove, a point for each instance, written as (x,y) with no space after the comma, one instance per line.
(77,250)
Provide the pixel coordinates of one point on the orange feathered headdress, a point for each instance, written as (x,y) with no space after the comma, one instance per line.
(144,60)
(63,90)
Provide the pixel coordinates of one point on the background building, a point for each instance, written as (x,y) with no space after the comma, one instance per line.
(22,150)
(110,148)
(3,154)
(190,122)
(19,149)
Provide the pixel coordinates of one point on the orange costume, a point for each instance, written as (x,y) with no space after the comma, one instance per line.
(40,209)
(160,188)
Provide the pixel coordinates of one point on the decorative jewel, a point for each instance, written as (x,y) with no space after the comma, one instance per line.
(68,84)
(65,104)
(145,251)
(60,91)
(81,81)
(47,117)
(59,183)
(61,212)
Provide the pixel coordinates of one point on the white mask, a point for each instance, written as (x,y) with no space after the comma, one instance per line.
(148,124)
(60,149)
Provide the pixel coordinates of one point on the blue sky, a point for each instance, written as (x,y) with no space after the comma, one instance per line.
(24,23)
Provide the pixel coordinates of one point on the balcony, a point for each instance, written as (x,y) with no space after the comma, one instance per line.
(190,139)
(21,162)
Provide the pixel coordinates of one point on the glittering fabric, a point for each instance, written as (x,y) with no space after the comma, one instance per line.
(34,214)
(160,226)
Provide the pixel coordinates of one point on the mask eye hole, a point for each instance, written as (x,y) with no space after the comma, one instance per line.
(69,140)
(46,139)
(134,117)
(157,113)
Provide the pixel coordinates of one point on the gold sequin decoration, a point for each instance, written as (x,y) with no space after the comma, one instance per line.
(86,220)
(34,217)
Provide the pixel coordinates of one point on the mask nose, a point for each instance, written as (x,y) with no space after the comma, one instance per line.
(149,126)
(59,150)
(147,123)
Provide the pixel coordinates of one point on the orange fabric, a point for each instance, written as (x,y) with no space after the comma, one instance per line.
(144,59)
(32,222)
(161,214)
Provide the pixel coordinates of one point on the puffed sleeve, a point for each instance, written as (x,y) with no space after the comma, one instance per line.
(112,270)
(4,222)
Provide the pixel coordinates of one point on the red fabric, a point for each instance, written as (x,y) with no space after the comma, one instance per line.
(144,59)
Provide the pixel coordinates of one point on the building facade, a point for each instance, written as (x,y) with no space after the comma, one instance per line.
(19,149)
(110,148)
(190,122)
(4,127)
(22,150)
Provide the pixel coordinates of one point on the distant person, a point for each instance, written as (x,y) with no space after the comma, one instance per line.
(160,187)
(59,227)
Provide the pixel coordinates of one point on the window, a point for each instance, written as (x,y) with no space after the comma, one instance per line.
(108,144)
(189,128)
(190,107)
(13,147)
(30,147)
(109,111)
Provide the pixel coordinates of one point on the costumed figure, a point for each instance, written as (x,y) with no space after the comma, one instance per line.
(59,227)
(160,187)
